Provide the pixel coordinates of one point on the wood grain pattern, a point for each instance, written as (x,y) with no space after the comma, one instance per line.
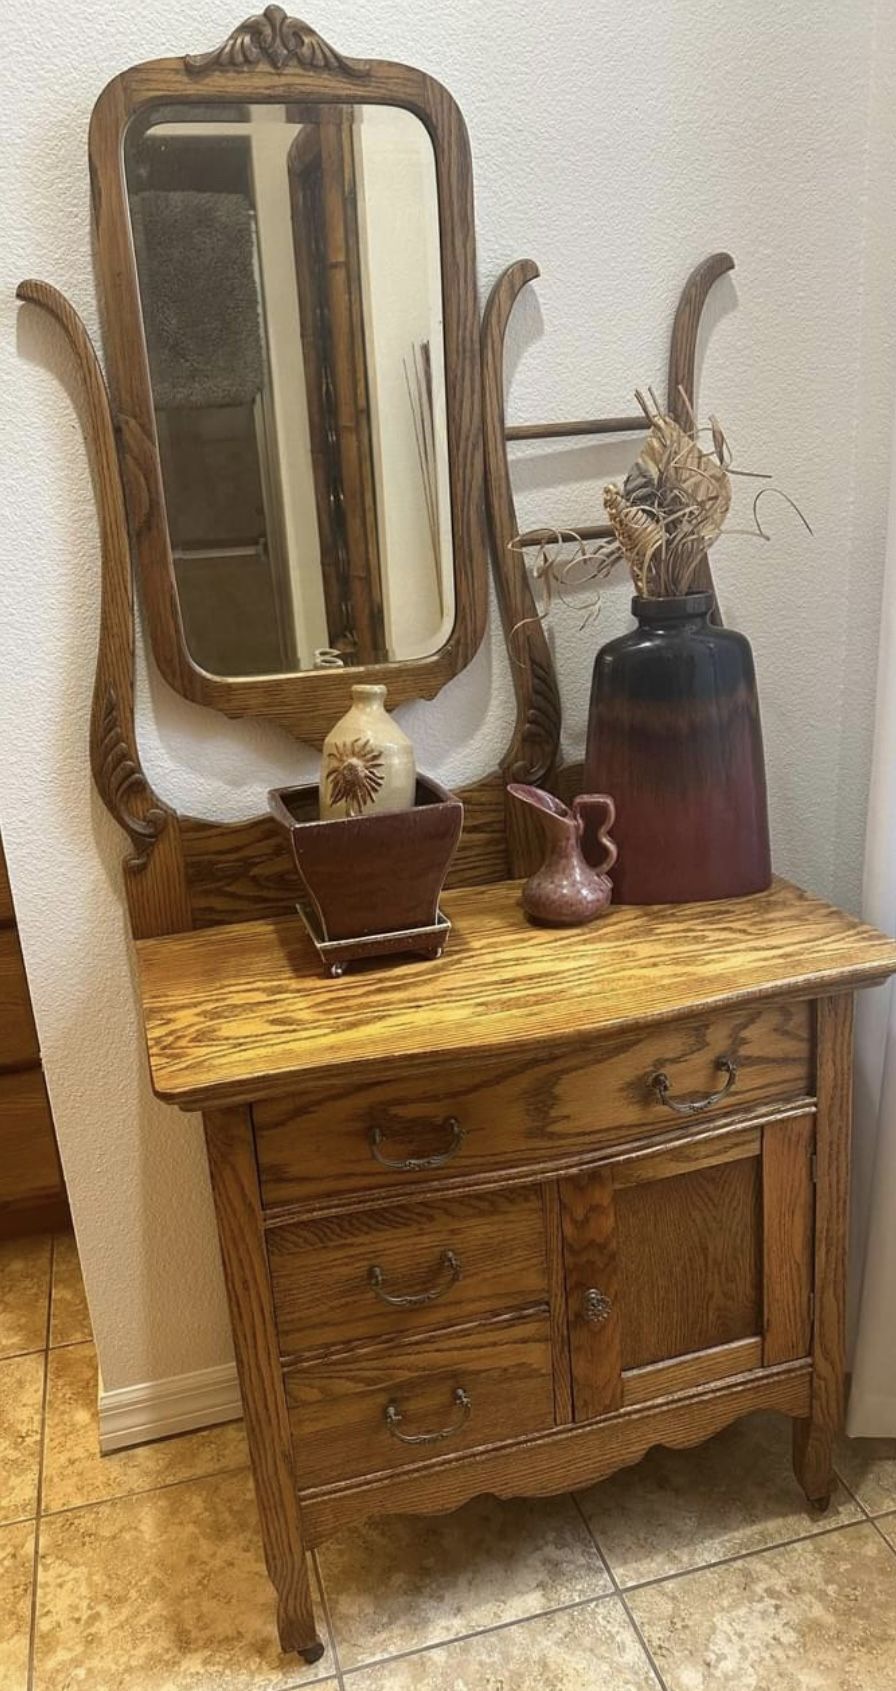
(23,1218)
(685,1155)
(535,746)
(681,381)
(318,1142)
(309,703)
(29,1163)
(231,1163)
(18,1035)
(813,1440)
(558,1303)
(240,1011)
(833,1130)
(788,1229)
(337,1406)
(562,1460)
(592,1271)
(320,1269)
(154,881)
(7,913)
(683,1373)
(690,1262)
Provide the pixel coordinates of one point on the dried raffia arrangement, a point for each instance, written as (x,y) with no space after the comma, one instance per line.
(671,509)
(672,505)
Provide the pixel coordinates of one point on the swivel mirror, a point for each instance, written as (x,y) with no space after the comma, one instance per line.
(285,246)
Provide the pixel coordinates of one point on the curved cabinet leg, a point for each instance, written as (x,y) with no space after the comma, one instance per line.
(813,1461)
(231,1160)
(296,1624)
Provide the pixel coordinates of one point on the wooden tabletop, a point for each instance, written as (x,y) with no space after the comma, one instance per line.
(237,1012)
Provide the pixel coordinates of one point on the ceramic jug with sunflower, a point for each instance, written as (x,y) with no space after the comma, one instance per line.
(367,765)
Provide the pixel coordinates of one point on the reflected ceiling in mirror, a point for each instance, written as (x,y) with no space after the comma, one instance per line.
(289,268)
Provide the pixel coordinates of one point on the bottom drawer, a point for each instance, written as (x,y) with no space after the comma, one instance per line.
(29,1165)
(368,1411)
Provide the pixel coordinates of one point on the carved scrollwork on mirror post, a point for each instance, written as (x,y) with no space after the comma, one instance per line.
(279,39)
(118,776)
(538,738)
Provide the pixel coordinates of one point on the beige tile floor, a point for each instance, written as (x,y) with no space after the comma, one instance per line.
(699,1570)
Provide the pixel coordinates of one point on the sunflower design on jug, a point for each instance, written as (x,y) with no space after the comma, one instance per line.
(354,774)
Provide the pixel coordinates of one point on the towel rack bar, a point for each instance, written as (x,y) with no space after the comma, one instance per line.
(544,536)
(587,425)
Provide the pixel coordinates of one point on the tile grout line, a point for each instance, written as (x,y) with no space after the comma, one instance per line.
(605,1563)
(868,1513)
(562,1608)
(32,1626)
(850,1493)
(874,1521)
(744,1555)
(14,1355)
(147,1491)
(478,1632)
(328,1617)
(871,1520)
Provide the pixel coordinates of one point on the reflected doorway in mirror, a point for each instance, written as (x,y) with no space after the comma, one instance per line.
(289,266)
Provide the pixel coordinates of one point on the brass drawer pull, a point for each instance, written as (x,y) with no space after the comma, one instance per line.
(693,1106)
(394,1419)
(415,1300)
(451,1125)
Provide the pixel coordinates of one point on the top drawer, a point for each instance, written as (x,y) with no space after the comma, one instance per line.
(381,1135)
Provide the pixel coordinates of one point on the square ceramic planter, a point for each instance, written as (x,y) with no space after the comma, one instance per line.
(372,883)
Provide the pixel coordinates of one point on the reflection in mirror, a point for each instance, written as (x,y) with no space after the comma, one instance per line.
(290,281)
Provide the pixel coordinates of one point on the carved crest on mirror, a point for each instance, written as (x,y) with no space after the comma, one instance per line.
(281,40)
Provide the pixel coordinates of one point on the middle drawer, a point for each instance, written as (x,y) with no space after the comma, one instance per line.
(406,1268)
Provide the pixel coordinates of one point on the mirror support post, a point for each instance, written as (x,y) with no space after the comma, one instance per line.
(154,880)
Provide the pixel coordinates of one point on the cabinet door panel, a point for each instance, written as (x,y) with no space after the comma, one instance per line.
(689,1264)
(690,1255)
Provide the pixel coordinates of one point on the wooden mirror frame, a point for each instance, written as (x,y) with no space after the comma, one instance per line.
(276,58)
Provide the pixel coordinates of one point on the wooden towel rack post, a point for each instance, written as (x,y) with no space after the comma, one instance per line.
(534,751)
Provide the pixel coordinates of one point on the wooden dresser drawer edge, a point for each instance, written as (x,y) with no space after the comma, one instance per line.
(731,1387)
(538,1173)
(296,1361)
(267,1087)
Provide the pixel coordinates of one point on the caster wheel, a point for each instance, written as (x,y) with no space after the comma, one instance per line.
(313,1653)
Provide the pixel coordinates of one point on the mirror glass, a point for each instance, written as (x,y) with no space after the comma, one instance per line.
(289,267)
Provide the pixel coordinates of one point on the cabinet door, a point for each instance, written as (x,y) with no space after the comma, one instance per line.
(689,1263)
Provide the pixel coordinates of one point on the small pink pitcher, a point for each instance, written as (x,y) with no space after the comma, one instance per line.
(566,891)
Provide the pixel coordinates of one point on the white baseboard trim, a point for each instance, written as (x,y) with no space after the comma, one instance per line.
(139,1414)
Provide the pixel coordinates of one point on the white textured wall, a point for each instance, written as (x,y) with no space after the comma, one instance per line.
(616,145)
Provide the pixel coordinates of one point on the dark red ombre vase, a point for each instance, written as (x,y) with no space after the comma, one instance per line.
(674,735)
